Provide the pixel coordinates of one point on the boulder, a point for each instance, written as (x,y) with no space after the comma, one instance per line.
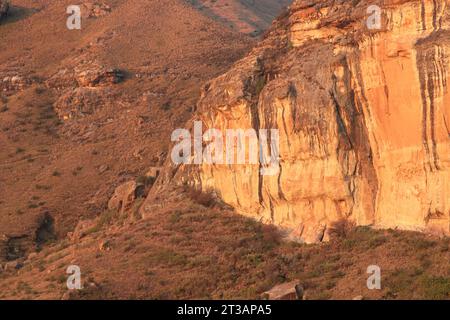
(123,197)
(286,291)
(13,265)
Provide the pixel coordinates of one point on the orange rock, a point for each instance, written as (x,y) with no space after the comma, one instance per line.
(363,118)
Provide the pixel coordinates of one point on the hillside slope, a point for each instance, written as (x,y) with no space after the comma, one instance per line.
(84,110)
(191,249)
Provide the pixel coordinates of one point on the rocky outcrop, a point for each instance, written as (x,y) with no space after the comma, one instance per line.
(82,229)
(123,197)
(13,83)
(95,9)
(99,76)
(12,247)
(79,102)
(84,89)
(363,116)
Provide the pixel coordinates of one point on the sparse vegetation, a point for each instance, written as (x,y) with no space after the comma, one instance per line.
(175,217)
(436,288)
(77,170)
(56,173)
(341,228)
(144,180)
(166,258)
(39,90)
(166,106)
(42,187)
(260,84)
(106,218)
(204,198)
(205,252)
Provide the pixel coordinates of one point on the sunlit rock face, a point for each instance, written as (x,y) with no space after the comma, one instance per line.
(363,117)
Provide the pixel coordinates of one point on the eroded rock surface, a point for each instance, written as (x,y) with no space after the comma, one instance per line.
(363,118)
(123,197)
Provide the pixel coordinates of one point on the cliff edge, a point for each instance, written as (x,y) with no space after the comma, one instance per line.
(362,108)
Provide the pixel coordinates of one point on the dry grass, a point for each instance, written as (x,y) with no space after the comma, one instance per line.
(341,228)
(190,251)
(205,198)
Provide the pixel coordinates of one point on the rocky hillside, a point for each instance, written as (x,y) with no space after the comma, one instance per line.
(86,118)
(82,111)
(363,118)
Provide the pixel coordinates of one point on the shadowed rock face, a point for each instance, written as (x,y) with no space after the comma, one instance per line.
(4,7)
(363,117)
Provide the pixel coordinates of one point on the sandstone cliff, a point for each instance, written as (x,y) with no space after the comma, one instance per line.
(363,117)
